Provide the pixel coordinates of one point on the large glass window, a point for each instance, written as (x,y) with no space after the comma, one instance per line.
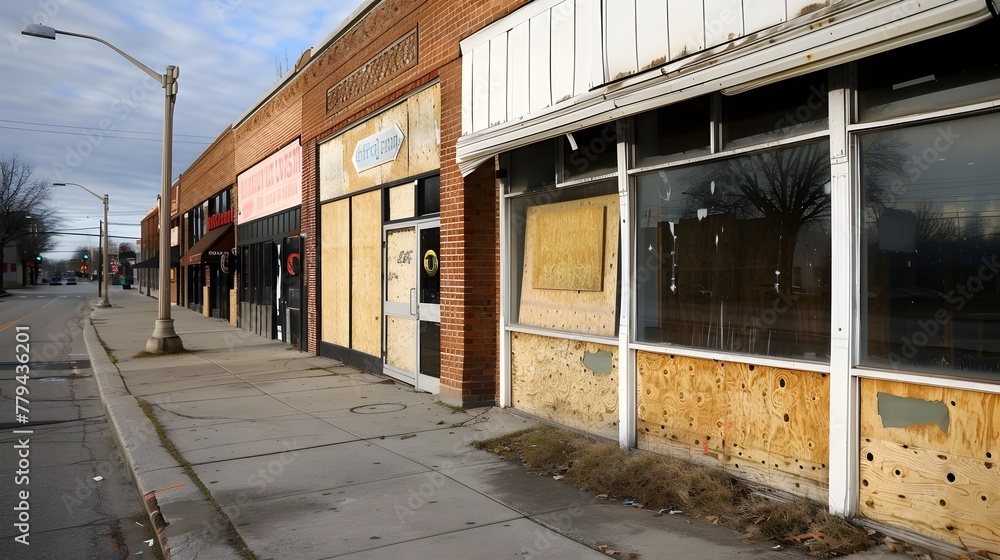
(592,153)
(942,73)
(790,107)
(734,255)
(930,246)
(675,132)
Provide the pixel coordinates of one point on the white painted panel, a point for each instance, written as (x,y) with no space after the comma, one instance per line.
(687,27)
(620,38)
(723,21)
(563,50)
(761,14)
(498,80)
(589,52)
(651,30)
(466,93)
(799,8)
(540,66)
(517,71)
(481,87)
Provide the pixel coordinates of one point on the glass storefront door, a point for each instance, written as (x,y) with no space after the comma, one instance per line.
(411,346)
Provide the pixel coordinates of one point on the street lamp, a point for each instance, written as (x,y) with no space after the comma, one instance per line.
(104,257)
(164,337)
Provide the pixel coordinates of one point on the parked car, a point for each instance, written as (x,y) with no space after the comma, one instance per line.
(70,281)
(55,281)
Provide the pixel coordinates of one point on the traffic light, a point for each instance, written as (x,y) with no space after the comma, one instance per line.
(86,256)
(38,258)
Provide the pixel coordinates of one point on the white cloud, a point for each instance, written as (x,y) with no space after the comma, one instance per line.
(225,49)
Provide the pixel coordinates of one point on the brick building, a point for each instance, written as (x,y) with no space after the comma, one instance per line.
(756,238)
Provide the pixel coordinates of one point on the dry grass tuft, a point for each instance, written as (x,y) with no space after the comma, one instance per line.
(662,482)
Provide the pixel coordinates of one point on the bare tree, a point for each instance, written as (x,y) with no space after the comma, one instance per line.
(23,200)
(32,245)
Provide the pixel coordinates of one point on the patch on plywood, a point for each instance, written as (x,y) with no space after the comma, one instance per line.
(599,362)
(905,412)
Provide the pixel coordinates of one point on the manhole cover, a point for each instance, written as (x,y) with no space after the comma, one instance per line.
(378,408)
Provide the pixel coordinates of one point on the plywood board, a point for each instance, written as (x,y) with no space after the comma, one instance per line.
(566,246)
(400,268)
(332,179)
(425,131)
(366,273)
(418,118)
(399,167)
(939,479)
(549,378)
(355,181)
(334,274)
(765,424)
(402,200)
(401,343)
(592,312)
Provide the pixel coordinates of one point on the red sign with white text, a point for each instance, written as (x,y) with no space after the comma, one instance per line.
(272,185)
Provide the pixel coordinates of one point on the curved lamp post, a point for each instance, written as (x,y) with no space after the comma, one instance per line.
(105,263)
(164,337)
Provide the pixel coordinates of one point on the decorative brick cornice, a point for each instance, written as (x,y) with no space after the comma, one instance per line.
(381,68)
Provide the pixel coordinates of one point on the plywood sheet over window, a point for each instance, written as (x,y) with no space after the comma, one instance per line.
(418,118)
(401,343)
(765,424)
(335,272)
(567,250)
(366,273)
(931,465)
(400,272)
(402,201)
(570,382)
(570,275)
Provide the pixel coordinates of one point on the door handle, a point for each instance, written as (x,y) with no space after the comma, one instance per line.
(413,302)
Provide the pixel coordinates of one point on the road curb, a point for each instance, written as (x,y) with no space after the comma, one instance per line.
(191,519)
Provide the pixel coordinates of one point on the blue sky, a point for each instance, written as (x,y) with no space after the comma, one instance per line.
(57,96)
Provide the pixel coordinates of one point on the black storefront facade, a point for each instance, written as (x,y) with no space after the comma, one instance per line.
(270,248)
(208,231)
(210,281)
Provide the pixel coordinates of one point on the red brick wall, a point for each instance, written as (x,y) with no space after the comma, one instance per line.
(469,213)
(469,208)
(211,173)
(310,225)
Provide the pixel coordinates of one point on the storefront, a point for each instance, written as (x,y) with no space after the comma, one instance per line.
(764,241)
(380,245)
(209,282)
(272,283)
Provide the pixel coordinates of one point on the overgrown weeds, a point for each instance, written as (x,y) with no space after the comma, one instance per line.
(659,482)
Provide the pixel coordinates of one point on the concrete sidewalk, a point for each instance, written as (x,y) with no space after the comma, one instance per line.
(309,459)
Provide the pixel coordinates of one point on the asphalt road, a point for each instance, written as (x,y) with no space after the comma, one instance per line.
(64,489)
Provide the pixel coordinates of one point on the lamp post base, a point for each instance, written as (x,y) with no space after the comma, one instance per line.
(164,340)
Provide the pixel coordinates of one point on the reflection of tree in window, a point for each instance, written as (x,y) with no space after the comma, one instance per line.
(787,188)
(744,252)
(930,299)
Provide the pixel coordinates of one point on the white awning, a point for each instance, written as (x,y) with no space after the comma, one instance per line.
(837,34)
